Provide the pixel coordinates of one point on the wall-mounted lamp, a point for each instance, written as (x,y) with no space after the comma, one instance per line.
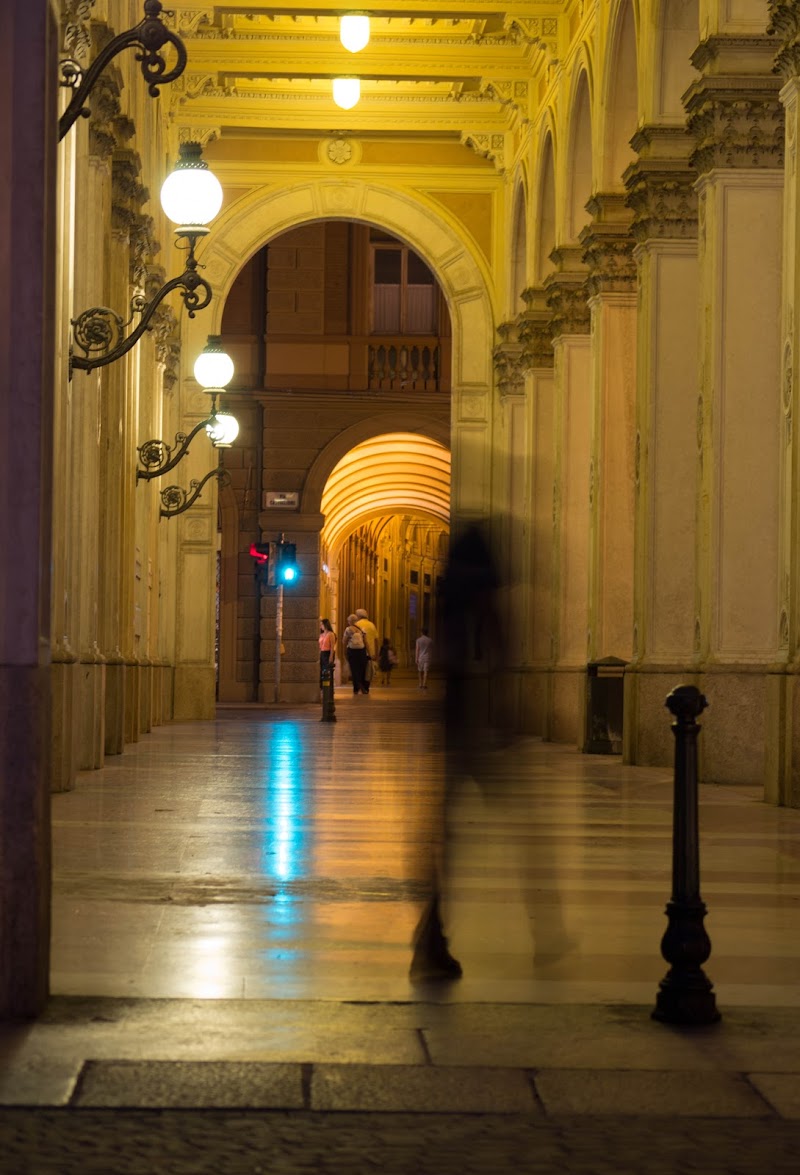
(354,31)
(191,196)
(213,370)
(150,35)
(346,92)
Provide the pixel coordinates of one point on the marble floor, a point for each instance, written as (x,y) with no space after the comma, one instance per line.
(267,855)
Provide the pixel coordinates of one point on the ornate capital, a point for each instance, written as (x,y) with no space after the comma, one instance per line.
(535,331)
(508,362)
(738,122)
(76,16)
(128,193)
(663,200)
(105,112)
(608,245)
(566,293)
(784,23)
(143,249)
(168,344)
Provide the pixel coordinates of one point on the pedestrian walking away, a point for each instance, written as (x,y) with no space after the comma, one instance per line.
(355,649)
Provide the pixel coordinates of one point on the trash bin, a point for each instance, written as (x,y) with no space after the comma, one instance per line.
(604,706)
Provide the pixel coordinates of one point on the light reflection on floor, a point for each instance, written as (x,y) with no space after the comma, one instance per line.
(267,854)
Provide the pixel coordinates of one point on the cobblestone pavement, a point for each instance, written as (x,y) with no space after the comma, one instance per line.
(92,1142)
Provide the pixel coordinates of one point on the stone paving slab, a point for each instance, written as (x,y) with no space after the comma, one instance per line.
(189,1085)
(701,1095)
(781,1090)
(421,1089)
(125,1142)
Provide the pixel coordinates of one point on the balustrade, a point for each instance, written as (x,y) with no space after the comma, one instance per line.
(400,365)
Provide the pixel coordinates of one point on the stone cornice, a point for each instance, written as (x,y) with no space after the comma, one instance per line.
(737,121)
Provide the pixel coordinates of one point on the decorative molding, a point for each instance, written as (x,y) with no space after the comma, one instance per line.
(143,249)
(490,146)
(199,134)
(168,344)
(738,122)
(566,295)
(784,23)
(190,21)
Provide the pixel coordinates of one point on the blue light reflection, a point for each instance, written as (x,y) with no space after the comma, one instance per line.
(286,837)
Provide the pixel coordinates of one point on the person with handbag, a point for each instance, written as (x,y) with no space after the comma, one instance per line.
(327,649)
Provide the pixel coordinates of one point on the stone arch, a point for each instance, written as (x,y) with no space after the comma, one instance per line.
(621,99)
(579,169)
(546,218)
(461,271)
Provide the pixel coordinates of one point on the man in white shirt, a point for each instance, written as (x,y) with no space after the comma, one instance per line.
(423,651)
(370,640)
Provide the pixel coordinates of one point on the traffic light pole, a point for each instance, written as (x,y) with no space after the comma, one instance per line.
(278,641)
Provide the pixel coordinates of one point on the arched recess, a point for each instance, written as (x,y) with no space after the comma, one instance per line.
(579,159)
(519,248)
(462,272)
(622,99)
(677,36)
(546,239)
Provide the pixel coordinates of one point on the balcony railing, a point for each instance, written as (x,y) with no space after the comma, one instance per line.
(399,365)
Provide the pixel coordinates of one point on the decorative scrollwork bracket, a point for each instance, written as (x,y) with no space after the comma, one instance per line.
(150,35)
(99,332)
(175,499)
(156,457)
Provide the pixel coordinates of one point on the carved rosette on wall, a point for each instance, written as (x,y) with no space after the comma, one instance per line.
(784,23)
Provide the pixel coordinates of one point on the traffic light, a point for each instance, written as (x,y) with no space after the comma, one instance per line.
(264,555)
(260,552)
(286,571)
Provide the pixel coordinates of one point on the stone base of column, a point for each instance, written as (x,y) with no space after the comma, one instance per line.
(167,693)
(194,693)
(534,703)
(132,702)
(91,715)
(736,726)
(115,708)
(647,738)
(63,695)
(568,704)
(145,698)
(25,849)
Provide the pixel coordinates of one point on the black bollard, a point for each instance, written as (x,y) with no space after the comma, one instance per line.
(328,705)
(685,994)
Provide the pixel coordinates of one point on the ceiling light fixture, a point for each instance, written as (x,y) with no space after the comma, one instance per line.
(354,31)
(346,92)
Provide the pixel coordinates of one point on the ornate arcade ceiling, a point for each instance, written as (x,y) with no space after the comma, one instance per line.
(469,73)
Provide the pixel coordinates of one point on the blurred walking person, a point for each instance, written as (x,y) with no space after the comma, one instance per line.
(355,649)
(327,650)
(371,638)
(387,659)
(423,652)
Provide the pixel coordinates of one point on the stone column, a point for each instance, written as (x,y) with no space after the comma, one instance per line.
(608,252)
(570,325)
(661,194)
(741,604)
(538,362)
(28,120)
(783,749)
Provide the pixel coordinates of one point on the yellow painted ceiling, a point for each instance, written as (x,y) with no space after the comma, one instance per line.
(453,70)
(395,473)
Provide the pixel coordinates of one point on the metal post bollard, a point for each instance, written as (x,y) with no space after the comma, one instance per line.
(328,705)
(685,994)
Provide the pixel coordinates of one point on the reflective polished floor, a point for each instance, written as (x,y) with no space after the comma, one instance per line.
(269,855)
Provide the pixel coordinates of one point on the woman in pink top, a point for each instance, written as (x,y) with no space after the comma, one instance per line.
(327,648)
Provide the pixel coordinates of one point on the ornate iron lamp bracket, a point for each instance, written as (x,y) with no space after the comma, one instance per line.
(98,332)
(175,499)
(156,457)
(150,35)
